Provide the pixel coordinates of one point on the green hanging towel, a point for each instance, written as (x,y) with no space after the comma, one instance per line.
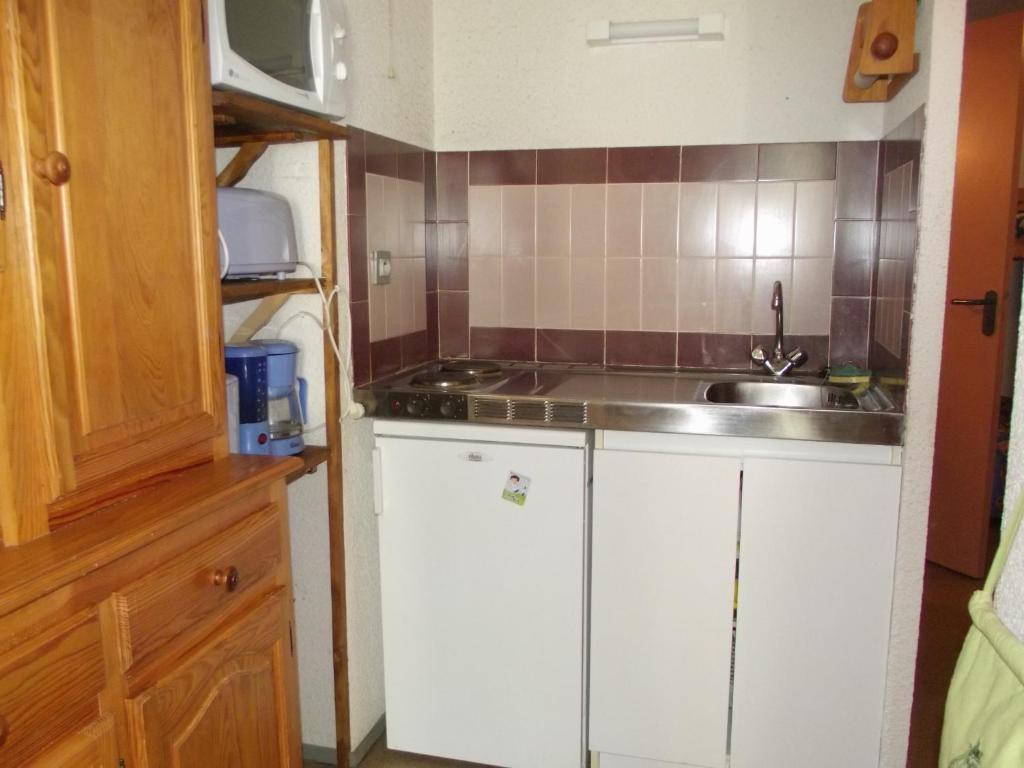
(984,724)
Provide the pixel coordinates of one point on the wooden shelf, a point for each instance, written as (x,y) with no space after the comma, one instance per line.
(312,456)
(239,119)
(235,291)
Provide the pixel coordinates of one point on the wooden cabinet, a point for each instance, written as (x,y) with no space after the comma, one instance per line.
(112,365)
(231,703)
(817,543)
(168,644)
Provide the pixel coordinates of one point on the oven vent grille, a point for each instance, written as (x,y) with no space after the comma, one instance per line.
(529,410)
(532,411)
(492,409)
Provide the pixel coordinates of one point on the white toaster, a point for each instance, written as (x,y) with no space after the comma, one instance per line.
(257,233)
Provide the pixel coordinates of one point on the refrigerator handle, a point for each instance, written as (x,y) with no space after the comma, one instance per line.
(378,484)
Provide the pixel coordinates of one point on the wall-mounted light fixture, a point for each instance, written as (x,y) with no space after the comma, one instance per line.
(708,27)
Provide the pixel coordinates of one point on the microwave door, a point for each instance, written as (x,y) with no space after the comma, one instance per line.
(281,38)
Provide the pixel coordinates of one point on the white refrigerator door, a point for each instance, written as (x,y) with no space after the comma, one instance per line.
(483,601)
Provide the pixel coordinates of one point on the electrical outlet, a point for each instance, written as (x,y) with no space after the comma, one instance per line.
(380,267)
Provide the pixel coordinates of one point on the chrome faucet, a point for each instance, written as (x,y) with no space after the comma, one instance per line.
(780,363)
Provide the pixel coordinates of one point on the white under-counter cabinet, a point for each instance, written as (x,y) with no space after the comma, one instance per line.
(812,529)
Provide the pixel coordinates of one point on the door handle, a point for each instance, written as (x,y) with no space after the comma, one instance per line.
(988,316)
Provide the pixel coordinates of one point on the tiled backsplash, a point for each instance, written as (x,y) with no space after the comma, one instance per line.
(626,256)
(654,255)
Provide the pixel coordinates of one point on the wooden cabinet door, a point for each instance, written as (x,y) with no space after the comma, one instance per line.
(663,574)
(232,704)
(110,147)
(812,634)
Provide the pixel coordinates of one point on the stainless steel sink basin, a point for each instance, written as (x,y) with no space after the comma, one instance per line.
(780,394)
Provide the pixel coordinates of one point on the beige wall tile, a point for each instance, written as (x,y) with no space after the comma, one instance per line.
(623,217)
(814,225)
(554,309)
(411,200)
(766,272)
(588,294)
(659,220)
(658,296)
(622,305)
(518,281)
(698,219)
(736,204)
(553,215)
(393,300)
(391,212)
(588,220)
(733,284)
(484,221)
(518,221)
(696,294)
(809,308)
(413,296)
(775,204)
(485,291)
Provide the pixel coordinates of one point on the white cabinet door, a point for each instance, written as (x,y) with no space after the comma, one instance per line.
(816,569)
(664,555)
(483,601)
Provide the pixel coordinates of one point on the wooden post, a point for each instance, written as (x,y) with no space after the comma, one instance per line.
(335,503)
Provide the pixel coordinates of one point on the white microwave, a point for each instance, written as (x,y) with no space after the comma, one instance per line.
(288,51)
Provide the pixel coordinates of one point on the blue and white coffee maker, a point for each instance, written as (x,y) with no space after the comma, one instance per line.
(249,363)
(286,397)
(271,399)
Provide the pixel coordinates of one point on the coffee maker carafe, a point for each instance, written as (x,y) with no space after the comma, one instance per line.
(286,397)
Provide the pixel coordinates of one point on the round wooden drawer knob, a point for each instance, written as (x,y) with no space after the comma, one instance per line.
(227,578)
(5,729)
(55,168)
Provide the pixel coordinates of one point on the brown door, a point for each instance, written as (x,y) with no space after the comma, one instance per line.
(111,144)
(984,203)
(233,704)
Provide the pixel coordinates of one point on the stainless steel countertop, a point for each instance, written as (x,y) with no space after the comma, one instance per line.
(650,400)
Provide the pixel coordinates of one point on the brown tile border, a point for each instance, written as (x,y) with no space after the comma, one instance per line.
(358,286)
(385,357)
(411,165)
(415,348)
(360,318)
(433,339)
(430,186)
(452,257)
(857,173)
(725,162)
(452,186)
(643,164)
(653,348)
(854,258)
(569,346)
(355,170)
(713,350)
(502,343)
(809,161)
(572,166)
(850,328)
(453,323)
(513,166)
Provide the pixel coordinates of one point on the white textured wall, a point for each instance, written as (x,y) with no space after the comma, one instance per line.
(393,35)
(941,34)
(520,75)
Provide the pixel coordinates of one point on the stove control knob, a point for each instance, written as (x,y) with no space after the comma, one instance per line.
(414,408)
(448,408)
(395,405)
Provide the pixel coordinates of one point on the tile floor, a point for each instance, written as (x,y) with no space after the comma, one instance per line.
(944,624)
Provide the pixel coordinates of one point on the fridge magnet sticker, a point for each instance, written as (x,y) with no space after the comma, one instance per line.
(516,488)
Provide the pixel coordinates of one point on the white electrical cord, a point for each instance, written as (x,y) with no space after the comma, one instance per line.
(348,405)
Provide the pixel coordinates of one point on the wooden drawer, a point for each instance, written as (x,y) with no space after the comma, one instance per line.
(200,585)
(50,688)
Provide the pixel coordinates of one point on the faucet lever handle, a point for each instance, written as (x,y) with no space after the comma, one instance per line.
(797,357)
(758,355)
